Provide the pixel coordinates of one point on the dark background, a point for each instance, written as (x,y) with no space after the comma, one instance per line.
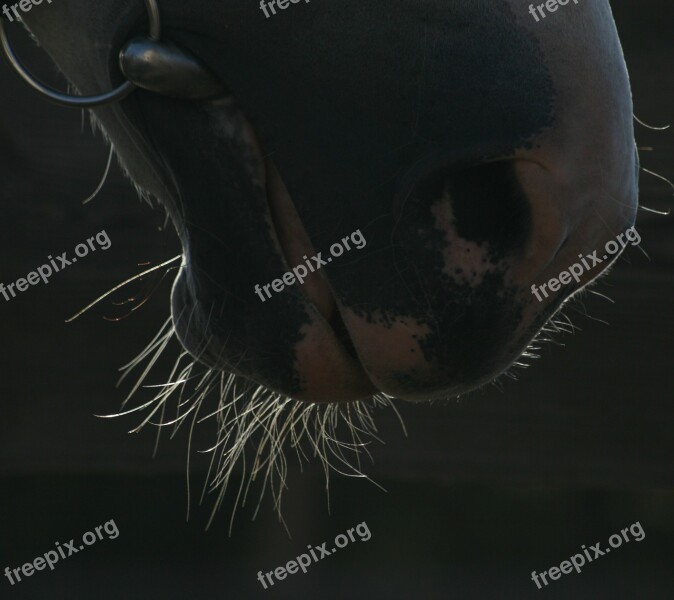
(481,492)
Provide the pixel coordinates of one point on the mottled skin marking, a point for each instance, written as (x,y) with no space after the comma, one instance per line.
(458,311)
(477,151)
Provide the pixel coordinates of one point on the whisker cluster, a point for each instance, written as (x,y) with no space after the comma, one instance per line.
(255,427)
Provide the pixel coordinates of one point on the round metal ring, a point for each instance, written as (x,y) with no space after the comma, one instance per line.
(80,101)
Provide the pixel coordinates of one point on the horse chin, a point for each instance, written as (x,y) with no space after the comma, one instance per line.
(240,231)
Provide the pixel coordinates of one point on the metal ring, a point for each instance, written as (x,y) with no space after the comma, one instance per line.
(80,101)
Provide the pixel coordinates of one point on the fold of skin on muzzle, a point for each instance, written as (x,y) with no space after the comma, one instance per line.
(385,117)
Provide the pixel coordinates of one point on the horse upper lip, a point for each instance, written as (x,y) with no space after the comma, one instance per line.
(208,169)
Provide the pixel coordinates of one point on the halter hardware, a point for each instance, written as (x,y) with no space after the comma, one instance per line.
(148,63)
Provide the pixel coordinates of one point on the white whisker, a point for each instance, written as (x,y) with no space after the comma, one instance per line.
(255,426)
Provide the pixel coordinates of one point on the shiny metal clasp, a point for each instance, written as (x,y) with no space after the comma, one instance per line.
(149,63)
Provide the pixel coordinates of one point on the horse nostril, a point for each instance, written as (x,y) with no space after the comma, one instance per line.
(481,204)
(489,206)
